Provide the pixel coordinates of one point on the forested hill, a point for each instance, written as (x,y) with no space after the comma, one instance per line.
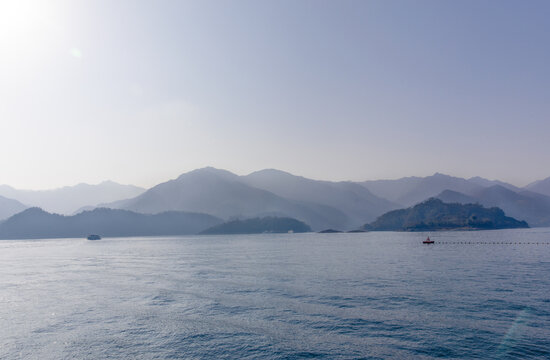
(34,223)
(434,214)
(268,224)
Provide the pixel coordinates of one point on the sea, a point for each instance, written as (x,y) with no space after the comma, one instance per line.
(377,295)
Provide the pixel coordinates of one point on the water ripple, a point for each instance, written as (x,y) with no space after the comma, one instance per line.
(301,296)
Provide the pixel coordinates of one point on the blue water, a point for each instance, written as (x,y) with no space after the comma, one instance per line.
(332,296)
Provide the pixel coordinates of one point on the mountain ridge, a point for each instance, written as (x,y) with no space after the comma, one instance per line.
(271,192)
(540,186)
(35,223)
(68,199)
(10,207)
(226,195)
(529,206)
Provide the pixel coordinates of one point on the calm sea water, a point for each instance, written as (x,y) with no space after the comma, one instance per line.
(333,296)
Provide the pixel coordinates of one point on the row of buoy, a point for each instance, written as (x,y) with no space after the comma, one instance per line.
(491,243)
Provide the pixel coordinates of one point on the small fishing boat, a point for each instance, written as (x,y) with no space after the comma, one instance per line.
(428,241)
(94,237)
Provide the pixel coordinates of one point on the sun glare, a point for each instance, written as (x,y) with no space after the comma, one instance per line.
(23,21)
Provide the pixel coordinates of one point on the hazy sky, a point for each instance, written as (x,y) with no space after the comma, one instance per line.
(141,91)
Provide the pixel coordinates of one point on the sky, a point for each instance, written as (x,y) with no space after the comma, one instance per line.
(141,91)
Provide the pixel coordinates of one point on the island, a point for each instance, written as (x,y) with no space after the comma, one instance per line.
(268,224)
(434,214)
(329,231)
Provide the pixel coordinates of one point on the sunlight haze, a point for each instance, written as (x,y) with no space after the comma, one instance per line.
(139,92)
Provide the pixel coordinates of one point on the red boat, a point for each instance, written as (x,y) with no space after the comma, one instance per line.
(428,241)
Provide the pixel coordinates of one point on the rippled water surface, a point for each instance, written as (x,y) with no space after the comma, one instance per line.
(348,296)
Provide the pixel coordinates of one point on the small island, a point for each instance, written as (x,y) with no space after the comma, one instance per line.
(258,226)
(329,231)
(433,214)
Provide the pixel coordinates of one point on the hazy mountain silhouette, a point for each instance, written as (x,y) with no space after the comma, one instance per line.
(268,224)
(525,205)
(433,185)
(35,223)
(68,199)
(532,205)
(321,204)
(223,194)
(393,189)
(540,186)
(434,214)
(410,191)
(354,200)
(450,196)
(9,207)
(488,183)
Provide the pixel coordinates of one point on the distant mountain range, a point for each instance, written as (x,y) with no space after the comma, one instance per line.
(434,214)
(541,186)
(320,204)
(35,223)
(9,207)
(525,205)
(488,183)
(520,203)
(355,201)
(265,193)
(68,199)
(412,190)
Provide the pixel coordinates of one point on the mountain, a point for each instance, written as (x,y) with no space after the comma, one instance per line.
(450,196)
(392,189)
(35,223)
(9,207)
(321,204)
(525,205)
(541,186)
(259,225)
(68,199)
(529,203)
(410,191)
(433,185)
(223,194)
(354,200)
(488,183)
(434,214)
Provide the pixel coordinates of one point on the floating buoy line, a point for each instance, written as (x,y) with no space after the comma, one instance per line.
(488,243)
